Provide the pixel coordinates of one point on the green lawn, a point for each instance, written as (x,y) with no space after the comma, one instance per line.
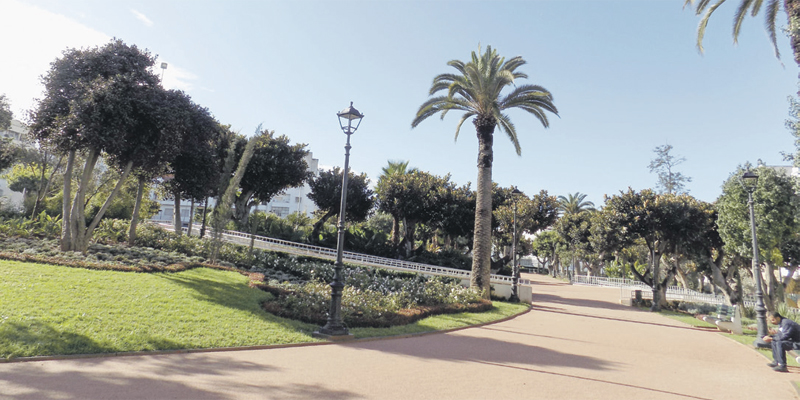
(55,310)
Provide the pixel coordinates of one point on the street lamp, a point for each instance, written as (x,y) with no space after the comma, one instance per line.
(749,181)
(514,267)
(163,68)
(335,327)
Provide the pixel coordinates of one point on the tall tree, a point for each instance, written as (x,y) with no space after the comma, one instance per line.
(477,90)
(669,180)
(97,101)
(574,204)
(326,193)
(791,8)
(5,113)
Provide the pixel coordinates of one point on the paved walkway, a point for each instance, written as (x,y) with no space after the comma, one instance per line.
(576,343)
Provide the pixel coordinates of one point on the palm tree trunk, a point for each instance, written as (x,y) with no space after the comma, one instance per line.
(482,244)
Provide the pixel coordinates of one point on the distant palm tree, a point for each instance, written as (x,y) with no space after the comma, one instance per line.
(574,204)
(753,7)
(476,89)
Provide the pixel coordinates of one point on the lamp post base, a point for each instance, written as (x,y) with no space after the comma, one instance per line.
(333,336)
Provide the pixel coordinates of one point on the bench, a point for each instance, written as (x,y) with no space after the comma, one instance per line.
(727,319)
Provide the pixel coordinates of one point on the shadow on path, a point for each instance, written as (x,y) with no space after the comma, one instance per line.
(150,379)
(529,334)
(583,378)
(460,348)
(549,298)
(546,309)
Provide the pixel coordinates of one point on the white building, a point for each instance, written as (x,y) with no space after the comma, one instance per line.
(291,201)
(18,133)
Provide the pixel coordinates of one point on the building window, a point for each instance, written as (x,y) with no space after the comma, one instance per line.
(281,212)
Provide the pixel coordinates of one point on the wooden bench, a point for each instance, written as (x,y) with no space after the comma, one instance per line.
(727,319)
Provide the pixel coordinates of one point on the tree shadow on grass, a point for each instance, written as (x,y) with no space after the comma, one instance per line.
(41,339)
(233,295)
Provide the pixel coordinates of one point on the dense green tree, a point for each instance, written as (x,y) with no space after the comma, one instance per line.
(776,209)
(192,160)
(545,248)
(477,90)
(533,215)
(669,180)
(326,193)
(574,203)
(98,101)
(395,167)
(665,223)
(412,197)
(276,165)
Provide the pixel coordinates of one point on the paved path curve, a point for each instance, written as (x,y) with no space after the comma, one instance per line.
(576,343)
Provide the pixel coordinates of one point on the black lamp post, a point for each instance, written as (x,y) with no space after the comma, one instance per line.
(335,327)
(514,267)
(749,181)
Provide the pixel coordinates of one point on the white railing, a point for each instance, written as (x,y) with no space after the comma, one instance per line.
(303,249)
(628,286)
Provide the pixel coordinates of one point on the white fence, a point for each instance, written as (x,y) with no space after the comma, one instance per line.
(628,287)
(303,249)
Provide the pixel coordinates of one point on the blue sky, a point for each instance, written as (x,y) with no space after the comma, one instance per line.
(625,75)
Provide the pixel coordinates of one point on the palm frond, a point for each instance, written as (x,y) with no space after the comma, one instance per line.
(461,122)
(508,127)
(741,12)
(701,29)
(772,12)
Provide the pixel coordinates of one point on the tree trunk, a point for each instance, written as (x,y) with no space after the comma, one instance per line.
(395,230)
(318,226)
(176,215)
(66,231)
(409,237)
(96,221)
(205,213)
(135,217)
(242,207)
(656,260)
(771,291)
(77,215)
(482,243)
(191,219)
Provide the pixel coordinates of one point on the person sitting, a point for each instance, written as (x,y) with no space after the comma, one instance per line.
(783,339)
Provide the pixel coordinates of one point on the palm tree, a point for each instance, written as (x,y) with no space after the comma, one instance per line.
(753,7)
(574,204)
(476,89)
